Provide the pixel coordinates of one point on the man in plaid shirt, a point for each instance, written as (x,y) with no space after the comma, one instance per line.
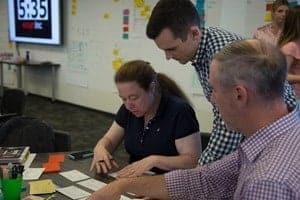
(174,26)
(247,81)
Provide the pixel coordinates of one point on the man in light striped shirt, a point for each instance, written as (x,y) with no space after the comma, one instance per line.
(247,82)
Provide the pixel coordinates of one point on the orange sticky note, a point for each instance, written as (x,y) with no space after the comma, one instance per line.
(51,167)
(56,158)
(125,29)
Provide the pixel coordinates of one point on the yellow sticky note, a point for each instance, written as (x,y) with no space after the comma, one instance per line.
(106,16)
(147,8)
(148,16)
(115,52)
(138,3)
(143,13)
(42,187)
(10,45)
(116,63)
(268,16)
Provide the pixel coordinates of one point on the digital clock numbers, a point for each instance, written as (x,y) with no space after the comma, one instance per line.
(32,9)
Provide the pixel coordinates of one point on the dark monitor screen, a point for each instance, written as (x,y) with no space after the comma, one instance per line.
(35,21)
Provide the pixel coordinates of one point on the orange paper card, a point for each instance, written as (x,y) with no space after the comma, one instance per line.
(56,158)
(51,167)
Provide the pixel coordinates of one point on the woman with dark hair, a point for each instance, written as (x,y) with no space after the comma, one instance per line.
(156,121)
(271,32)
(289,42)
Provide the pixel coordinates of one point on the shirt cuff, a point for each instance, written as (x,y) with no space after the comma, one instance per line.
(176,182)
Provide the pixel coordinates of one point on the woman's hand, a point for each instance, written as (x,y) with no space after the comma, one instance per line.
(137,168)
(103,161)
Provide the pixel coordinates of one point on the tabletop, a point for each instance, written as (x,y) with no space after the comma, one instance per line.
(80,165)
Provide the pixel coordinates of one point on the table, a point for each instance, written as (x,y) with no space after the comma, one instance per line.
(81,165)
(33,64)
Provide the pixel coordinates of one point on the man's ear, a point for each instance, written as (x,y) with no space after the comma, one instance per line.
(241,95)
(196,32)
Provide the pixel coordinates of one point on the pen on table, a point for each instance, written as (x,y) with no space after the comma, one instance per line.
(14,172)
(20,170)
(9,169)
(1,172)
(111,159)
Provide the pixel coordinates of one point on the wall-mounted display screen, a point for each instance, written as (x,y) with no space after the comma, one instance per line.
(35,21)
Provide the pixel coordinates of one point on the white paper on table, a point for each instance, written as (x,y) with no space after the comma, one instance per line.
(124,197)
(92,184)
(32,173)
(113,174)
(29,160)
(74,175)
(127,198)
(73,192)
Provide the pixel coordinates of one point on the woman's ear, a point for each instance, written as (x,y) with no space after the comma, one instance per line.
(153,87)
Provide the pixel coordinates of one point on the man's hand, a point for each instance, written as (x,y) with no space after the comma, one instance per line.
(110,192)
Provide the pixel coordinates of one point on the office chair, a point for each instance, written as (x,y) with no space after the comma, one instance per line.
(33,132)
(62,142)
(13,101)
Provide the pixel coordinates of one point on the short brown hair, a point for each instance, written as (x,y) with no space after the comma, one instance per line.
(177,15)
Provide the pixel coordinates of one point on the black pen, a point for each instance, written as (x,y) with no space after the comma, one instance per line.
(1,172)
(100,161)
(20,170)
(14,172)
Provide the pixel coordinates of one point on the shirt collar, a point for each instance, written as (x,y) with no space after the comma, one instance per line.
(253,146)
(201,47)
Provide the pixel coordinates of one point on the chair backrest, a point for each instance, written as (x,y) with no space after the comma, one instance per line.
(62,141)
(28,131)
(13,101)
(4,118)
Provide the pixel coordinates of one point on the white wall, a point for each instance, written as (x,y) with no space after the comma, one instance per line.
(85,76)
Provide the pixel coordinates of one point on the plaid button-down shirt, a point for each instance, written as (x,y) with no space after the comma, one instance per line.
(222,141)
(265,166)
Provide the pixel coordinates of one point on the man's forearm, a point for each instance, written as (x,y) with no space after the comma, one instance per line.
(149,186)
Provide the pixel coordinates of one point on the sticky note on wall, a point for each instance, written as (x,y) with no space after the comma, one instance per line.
(268,16)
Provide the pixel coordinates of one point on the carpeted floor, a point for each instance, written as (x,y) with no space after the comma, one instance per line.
(86,126)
